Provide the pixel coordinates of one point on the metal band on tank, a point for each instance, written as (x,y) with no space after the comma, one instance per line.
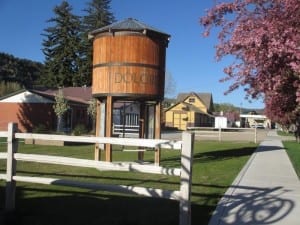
(128,96)
(127,64)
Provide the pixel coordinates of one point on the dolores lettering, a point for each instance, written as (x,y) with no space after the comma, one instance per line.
(139,78)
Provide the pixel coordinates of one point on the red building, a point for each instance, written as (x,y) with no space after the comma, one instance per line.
(33,108)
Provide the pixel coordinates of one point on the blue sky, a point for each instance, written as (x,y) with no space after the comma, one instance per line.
(190,57)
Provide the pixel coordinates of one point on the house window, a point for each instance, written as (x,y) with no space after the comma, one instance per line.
(191,100)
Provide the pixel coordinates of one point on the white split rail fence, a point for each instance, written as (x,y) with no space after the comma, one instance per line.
(220,132)
(182,195)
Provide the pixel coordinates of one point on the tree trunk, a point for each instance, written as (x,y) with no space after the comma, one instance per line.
(59,127)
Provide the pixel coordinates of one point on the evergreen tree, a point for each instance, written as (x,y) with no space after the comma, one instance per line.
(8,68)
(61,48)
(22,72)
(8,87)
(28,72)
(98,15)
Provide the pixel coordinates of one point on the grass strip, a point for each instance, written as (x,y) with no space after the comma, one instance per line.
(293,151)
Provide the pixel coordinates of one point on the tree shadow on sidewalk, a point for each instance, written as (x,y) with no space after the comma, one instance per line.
(251,205)
(267,148)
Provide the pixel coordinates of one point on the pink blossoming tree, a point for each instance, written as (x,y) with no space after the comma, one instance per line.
(264,38)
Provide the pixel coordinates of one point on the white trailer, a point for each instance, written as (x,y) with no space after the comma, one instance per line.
(220,122)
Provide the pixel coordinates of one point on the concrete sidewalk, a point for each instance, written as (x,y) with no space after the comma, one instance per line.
(266,191)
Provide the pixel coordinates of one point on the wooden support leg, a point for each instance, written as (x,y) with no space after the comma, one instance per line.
(157,132)
(142,128)
(97,153)
(100,128)
(108,128)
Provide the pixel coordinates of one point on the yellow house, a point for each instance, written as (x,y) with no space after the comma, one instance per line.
(191,110)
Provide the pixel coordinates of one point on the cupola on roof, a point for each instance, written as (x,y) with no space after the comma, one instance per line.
(128,24)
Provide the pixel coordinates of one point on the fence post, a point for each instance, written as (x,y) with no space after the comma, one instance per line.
(12,147)
(220,133)
(186,178)
(255,135)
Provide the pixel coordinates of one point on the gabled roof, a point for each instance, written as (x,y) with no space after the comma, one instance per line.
(191,107)
(206,98)
(128,24)
(12,94)
(24,96)
(80,95)
(74,94)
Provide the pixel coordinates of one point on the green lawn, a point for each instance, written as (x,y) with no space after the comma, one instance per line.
(283,133)
(293,150)
(215,167)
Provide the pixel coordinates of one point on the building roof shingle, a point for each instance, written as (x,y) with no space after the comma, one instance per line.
(75,94)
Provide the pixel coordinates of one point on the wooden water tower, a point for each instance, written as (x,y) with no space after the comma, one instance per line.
(128,64)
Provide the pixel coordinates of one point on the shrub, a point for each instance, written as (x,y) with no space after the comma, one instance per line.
(79,130)
(40,128)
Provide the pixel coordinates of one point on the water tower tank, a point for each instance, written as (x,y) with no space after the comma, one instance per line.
(129,61)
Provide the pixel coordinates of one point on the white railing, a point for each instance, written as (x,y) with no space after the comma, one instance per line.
(218,133)
(182,195)
(126,130)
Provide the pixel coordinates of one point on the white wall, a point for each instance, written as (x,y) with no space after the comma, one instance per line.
(26,97)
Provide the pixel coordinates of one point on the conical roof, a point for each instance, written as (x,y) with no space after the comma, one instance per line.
(128,24)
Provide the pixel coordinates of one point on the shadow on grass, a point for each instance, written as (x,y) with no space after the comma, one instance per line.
(223,154)
(73,207)
(77,208)
(211,156)
(133,181)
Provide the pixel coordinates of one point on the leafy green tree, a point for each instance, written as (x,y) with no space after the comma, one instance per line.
(23,72)
(8,87)
(224,107)
(60,107)
(61,47)
(92,111)
(8,66)
(263,37)
(97,14)
(28,72)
